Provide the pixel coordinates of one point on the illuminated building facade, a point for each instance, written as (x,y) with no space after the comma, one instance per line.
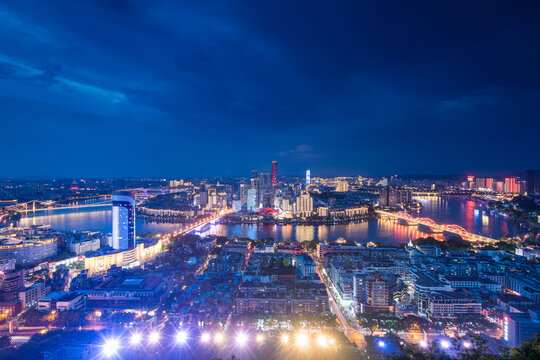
(123,214)
(274,173)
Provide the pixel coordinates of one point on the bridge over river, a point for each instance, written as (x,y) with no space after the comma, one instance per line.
(434,226)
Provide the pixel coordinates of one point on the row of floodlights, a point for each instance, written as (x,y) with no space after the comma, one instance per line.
(445,344)
(112,345)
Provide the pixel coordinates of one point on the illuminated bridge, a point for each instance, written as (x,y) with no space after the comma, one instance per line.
(31,206)
(434,226)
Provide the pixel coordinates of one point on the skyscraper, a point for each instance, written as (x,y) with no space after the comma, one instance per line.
(123,215)
(308,177)
(274,173)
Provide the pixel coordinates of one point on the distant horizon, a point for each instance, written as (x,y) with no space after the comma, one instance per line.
(154,178)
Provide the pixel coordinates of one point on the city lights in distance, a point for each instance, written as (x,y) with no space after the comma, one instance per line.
(110,348)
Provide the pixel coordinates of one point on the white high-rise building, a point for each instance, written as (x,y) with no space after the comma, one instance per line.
(123,218)
(304,204)
(308,177)
(252,200)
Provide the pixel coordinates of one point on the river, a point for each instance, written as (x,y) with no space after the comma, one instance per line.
(467,214)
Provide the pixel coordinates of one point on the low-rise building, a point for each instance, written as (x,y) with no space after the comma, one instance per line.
(63,300)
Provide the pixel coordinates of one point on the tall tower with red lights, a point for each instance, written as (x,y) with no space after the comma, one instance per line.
(274,173)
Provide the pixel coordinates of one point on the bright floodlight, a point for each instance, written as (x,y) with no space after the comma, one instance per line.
(260,338)
(301,339)
(110,347)
(321,340)
(181,337)
(381,343)
(285,338)
(136,338)
(467,344)
(445,344)
(218,337)
(423,343)
(205,337)
(154,337)
(241,339)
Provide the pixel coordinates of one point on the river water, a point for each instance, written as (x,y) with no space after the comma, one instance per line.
(467,214)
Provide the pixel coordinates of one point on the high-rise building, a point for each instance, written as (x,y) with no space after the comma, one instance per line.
(489,183)
(11,282)
(123,215)
(256,185)
(252,203)
(533,181)
(274,173)
(371,292)
(308,177)
(342,186)
(243,193)
(304,204)
(392,197)
(510,185)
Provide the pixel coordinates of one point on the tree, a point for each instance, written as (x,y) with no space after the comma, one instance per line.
(530,349)
(5,341)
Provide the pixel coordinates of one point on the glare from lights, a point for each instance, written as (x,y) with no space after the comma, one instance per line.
(260,338)
(154,337)
(241,339)
(332,341)
(218,338)
(445,344)
(301,339)
(381,344)
(181,337)
(110,347)
(205,337)
(467,344)
(136,339)
(285,338)
(321,340)
(423,343)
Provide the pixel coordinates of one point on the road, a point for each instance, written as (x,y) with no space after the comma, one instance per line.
(354,335)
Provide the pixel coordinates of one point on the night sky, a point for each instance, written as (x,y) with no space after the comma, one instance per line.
(163,89)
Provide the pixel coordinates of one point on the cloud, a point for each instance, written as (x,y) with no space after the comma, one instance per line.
(16,69)
(302,152)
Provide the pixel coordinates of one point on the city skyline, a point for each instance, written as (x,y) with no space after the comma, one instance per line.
(342,90)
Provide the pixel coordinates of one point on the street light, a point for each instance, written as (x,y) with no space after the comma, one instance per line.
(423,343)
(136,338)
(181,337)
(285,338)
(154,337)
(301,339)
(218,338)
(445,344)
(111,347)
(241,339)
(260,338)
(321,340)
(205,337)
(467,344)
(381,344)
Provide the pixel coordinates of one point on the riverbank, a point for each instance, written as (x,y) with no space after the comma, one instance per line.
(236,220)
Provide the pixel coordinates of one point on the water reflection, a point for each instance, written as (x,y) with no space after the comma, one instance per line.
(447,211)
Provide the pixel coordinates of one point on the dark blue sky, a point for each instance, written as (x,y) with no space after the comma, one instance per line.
(162,89)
